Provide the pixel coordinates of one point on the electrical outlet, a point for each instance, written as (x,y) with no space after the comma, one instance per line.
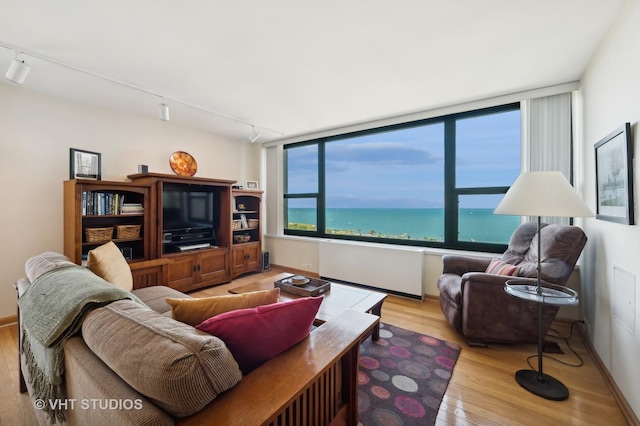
(306,266)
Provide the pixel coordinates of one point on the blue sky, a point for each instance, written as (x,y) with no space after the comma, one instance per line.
(405,168)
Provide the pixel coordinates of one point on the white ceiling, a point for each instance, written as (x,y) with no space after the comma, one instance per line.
(297,66)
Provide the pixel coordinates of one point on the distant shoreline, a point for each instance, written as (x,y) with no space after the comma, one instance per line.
(415,224)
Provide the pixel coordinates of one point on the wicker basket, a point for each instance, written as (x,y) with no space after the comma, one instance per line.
(99,234)
(242,238)
(236,224)
(127,231)
(254,223)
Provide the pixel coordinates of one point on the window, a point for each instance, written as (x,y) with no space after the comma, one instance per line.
(487,161)
(302,182)
(432,182)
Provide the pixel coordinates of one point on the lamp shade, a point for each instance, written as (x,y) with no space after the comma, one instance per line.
(542,194)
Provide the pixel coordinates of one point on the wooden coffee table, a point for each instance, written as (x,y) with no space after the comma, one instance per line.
(337,300)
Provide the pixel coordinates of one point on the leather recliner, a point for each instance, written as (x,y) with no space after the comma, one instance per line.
(476,304)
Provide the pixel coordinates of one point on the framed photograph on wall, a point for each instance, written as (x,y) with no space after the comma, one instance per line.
(614,176)
(252,184)
(84,164)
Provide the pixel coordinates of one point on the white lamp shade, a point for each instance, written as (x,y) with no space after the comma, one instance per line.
(18,71)
(542,194)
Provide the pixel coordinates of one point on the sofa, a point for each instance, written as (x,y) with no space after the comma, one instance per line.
(127,361)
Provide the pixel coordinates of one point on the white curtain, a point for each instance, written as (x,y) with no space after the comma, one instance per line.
(547,138)
(274,191)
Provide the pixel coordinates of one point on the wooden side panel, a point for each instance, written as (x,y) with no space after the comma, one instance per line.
(150,273)
(315,406)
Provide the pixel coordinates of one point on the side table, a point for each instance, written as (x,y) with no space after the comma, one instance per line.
(537,382)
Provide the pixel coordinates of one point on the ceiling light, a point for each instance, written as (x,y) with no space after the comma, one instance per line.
(164,111)
(18,70)
(254,136)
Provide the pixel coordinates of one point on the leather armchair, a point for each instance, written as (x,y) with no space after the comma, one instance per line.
(475,303)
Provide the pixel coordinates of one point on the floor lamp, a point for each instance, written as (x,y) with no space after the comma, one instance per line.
(542,194)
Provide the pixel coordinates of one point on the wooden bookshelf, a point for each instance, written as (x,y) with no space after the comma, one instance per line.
(92,207)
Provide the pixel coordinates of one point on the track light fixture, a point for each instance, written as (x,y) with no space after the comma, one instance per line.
(164,111)
(254,135)
(18,70)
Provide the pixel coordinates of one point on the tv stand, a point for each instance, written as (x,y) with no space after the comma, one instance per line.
(193,264)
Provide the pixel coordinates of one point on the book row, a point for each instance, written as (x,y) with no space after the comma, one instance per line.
(108,203)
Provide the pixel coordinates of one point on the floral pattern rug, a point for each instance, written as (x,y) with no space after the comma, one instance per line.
(402,377)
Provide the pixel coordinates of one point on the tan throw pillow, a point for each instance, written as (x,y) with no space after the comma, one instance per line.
(108,263)
(195,311)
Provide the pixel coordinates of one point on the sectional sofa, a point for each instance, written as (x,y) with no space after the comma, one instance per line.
(130,362)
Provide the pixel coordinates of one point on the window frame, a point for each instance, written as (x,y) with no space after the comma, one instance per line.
(452,193)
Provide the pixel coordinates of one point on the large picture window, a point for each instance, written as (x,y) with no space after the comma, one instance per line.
(432,182)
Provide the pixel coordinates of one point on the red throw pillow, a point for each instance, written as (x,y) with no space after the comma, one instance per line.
(255,335)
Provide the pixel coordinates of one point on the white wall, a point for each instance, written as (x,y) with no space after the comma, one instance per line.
(610,91)
(36,132)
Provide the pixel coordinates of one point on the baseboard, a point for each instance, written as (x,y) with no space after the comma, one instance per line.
(624,406)
(10,320)
(304,272)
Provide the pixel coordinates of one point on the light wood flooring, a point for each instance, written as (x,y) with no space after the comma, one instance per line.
(482,390)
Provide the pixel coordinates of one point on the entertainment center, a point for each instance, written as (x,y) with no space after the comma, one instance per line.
(204,230)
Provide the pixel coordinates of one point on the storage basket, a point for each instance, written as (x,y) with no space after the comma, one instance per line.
(99,234)
(127,231)
(254,223)
(236,224)
(242,238)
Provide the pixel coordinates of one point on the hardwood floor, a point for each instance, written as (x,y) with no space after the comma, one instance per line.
(482,390)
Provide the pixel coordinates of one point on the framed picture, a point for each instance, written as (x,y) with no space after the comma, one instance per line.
(252,184)
(84,164)
(614,176)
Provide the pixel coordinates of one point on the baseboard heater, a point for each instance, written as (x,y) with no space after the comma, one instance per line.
(394,269)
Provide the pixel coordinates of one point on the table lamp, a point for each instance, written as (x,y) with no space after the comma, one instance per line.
(542,194)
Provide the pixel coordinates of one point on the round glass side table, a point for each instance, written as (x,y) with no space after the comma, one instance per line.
(542,293)
(549,294)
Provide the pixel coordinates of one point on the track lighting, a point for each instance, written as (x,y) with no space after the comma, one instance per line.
(254,136)
(164,111)
(18,70)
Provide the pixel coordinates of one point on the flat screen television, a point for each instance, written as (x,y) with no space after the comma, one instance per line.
(190,215)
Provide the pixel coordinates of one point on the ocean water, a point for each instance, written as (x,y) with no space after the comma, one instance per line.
(479,225)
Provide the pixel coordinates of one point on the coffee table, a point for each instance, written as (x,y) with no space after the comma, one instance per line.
(336,300)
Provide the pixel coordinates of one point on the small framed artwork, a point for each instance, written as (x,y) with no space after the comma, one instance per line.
(614,176)
(252,184)
(84,164)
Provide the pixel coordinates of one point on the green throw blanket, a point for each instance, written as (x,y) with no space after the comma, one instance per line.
(51,311)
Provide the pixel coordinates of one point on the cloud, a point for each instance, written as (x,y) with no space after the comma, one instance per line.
(377,153)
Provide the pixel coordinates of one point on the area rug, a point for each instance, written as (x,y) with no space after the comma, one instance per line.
(402,377)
